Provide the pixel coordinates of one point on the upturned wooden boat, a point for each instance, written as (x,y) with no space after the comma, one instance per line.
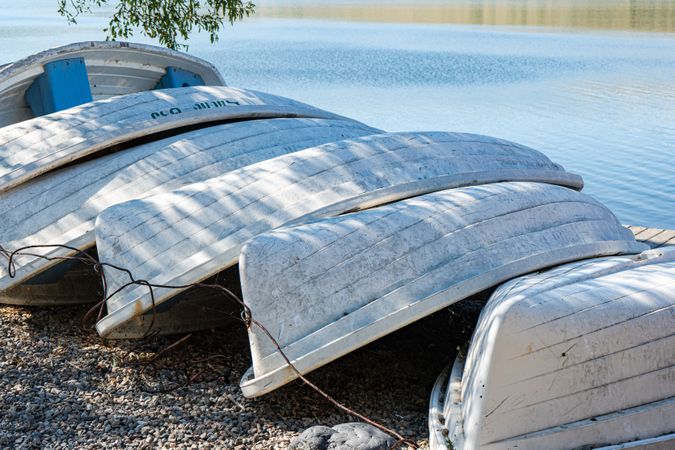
(60,207)
(580,356)
(329,287)
(43,144)
(193,233)
(87,71)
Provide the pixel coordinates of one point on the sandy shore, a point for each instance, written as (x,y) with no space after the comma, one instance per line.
(65,387)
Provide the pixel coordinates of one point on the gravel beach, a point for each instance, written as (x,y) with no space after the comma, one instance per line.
(65,387)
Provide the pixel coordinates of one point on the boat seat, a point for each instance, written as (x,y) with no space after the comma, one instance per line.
(63,84)
(174,78)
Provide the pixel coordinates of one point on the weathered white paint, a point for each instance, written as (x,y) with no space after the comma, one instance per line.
(114,68)
(329,287)
(39,145)
(61,207)
(577,356)
(192,233)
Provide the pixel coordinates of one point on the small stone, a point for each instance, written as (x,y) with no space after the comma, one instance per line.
(345,436)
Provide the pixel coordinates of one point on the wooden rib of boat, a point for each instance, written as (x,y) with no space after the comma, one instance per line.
(579,356)
(61,207)
(327,288)
(193,233)
(112,68)
(39,145)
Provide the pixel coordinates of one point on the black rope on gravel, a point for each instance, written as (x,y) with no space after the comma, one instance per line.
(246,317)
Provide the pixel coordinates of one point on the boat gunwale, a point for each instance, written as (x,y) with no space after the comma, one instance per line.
(11,69)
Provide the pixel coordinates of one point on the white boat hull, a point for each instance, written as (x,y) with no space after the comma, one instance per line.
(329,287)
(61,207)
(34,147)
(158,238)
(582,355)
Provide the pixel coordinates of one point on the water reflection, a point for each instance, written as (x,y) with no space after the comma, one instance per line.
(600,102)
(638,15)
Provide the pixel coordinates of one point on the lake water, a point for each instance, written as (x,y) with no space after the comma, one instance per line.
(589,83)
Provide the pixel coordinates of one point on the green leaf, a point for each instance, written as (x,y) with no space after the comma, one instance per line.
(168,21)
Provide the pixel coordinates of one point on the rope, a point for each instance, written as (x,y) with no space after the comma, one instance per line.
(246,317)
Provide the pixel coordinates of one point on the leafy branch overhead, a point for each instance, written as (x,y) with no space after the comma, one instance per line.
(168,21)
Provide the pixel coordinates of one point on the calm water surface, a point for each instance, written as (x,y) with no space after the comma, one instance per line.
(590,83)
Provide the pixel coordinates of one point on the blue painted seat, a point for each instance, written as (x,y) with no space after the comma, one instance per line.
(175,77)
(63,84)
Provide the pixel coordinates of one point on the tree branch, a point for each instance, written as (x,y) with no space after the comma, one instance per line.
(164,20)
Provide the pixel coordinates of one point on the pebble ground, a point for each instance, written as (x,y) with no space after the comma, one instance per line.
(62,386)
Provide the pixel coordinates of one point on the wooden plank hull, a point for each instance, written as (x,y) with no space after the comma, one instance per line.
(61,207)
(578,356)
(193,233)
(113,68)
(327,288)
(34,147)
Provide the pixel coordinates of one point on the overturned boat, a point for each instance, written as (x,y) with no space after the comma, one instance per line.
(190,234)
(61,207)
(579,356)
(67,76)
(327,288)
(34,147)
